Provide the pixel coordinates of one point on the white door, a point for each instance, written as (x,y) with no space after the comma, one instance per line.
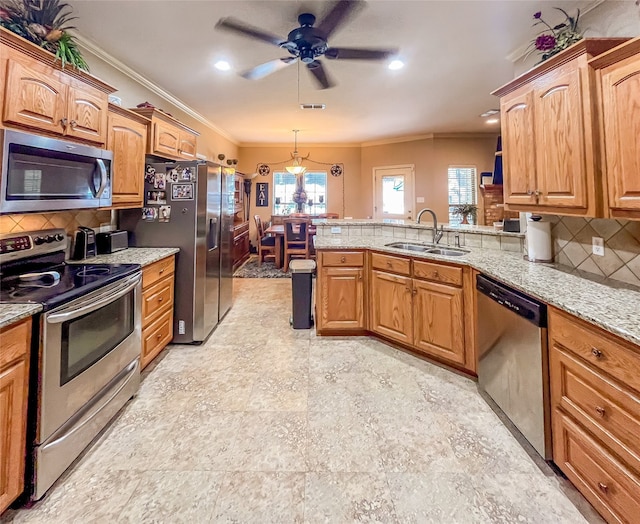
(393,192)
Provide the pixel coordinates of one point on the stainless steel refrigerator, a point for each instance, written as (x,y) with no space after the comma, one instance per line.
(189,205)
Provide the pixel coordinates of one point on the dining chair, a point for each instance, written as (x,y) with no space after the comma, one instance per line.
(266,243)
(296,240)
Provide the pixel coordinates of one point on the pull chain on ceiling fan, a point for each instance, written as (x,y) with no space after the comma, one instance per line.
(307,43)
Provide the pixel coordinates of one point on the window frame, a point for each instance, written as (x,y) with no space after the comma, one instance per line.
(470,188)
(288,207)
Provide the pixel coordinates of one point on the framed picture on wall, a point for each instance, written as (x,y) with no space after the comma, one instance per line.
(262,194)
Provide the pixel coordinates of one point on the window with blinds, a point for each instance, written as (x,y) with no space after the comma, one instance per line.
(462,190)
(315,185)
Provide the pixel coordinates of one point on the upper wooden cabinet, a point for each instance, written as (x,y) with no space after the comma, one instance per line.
(618,73)
(41,96)
(549,135)
(127,139)
(168,137)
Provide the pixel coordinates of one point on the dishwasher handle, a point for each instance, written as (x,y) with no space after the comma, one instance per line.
(516,301)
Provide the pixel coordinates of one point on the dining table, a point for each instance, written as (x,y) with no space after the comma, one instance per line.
(278,231)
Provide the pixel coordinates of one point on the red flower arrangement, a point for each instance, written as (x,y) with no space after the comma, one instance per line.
(562,35)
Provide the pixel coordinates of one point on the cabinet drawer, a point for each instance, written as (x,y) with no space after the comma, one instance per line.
(15,341)
(437,272)
(605,482)
(156,336)
(242,228)
(157,298)
(616,358)
(154,272)
(343,258)
(609,411)
(391,263)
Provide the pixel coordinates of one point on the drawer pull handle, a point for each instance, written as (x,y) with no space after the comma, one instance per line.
(159,336)
(161,271)
(389,263)
(600,411)
(343,259)
(603,487)
(414,292)
(436,275)
(160,299)
(596,352)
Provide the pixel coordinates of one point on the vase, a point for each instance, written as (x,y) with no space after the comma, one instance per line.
(464,220)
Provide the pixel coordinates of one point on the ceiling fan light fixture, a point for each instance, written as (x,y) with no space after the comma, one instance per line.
(222,65)
(396,64)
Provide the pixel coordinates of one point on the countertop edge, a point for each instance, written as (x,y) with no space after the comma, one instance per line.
(12,313)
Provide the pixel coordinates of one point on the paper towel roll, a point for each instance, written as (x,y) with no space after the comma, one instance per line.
(539,242)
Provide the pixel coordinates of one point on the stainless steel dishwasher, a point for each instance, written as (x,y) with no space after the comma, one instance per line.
(513,367)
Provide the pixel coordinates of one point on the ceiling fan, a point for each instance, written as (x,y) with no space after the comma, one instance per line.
(307,43)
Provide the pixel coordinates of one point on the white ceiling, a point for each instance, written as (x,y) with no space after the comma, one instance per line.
(455,54)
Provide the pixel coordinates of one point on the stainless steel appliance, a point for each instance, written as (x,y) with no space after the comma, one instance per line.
(199,221)
(112,241)
(86,346)
(46,174)
(513,367)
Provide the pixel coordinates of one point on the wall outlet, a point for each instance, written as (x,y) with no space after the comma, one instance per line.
(597,246)
(336,230)
(420,200)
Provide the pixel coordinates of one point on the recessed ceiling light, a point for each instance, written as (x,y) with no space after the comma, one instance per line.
(492,121)
(222,65)
(490,112)
(396,64)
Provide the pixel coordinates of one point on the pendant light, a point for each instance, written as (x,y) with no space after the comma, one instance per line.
(297,168)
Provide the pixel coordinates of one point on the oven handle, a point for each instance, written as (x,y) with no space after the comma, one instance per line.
(103,177)
(129,370)
(92,304)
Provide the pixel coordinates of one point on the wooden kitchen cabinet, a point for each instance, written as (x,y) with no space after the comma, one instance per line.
(549,134)
(127,139)
(157,308)
(595,399)
(391,306)
(45,98)
(241,244)
(618,73)
(168,137)
(340,292)
(14,386)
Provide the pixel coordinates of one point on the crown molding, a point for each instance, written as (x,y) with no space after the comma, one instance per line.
(97,51)
(309,145)
(397,140)
(523,50)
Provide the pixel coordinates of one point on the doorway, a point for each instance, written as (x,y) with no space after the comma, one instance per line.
(393,192)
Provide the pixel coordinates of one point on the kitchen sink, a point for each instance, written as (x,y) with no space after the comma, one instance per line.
(429,248)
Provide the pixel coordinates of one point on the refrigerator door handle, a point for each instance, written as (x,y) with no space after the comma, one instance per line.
(212,236)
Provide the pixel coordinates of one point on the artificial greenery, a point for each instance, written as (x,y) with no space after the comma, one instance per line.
(466,210)
(46,24)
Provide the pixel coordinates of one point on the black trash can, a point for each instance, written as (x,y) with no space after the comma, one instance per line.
(302,286)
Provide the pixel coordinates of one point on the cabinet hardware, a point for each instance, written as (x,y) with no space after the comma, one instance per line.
(73,124)
(436,274)
(596,352)
(414,292)
(63,123)
(343,259)
(389,263)
(161,271)
(529,192)
(603,487)
(600,411)
(159,336)
(160,299)
(359,276)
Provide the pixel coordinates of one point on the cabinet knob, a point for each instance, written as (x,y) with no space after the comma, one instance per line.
(596,352)
(160,299)
(389,263)
(436,274)
(63,123)
(600,411)
(161,271)
(159,336)
(343,259)
(359,276)
(529,192)
(73,124)
(414,292)
(603,487)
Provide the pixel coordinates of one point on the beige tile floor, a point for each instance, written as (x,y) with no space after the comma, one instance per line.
(269,425)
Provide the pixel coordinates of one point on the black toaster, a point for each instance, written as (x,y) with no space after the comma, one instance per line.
(112,241)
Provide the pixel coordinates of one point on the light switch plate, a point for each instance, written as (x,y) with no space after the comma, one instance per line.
(597,246)
(336,229)
(420,200)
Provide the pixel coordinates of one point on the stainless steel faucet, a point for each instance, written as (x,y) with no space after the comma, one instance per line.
(437,235)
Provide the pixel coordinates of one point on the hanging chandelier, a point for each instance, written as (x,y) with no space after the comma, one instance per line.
(297,168)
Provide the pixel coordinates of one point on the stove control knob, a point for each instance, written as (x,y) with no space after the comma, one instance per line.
(39,240)
(59,237)
(50,238)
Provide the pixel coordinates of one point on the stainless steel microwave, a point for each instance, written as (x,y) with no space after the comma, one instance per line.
(46,174)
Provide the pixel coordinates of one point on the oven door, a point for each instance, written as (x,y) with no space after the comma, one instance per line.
(85,344)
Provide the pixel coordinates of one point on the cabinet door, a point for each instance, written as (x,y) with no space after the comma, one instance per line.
(13,408)
(35,97)
(187,146)
(621,110)
(127,140)
(438,321)
(391,306)
(518,151)
(87,114)
(341,298)
(165,139)
(559,136)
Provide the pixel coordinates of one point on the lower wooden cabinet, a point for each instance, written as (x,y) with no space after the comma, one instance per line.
(14,386)
(391,308)
(595,396)
(241,244)
(340,292)
(157,308)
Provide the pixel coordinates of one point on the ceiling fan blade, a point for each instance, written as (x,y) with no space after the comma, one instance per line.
(267,68)
(237,26)
(320,75)
(354,53)
(339,14)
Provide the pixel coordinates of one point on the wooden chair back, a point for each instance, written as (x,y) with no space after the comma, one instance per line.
(259,226)
(295,231)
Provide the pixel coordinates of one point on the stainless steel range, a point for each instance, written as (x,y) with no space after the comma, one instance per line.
(85,356)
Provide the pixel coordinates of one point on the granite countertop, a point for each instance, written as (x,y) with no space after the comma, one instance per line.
(132,255)
(10,313)
(609,305)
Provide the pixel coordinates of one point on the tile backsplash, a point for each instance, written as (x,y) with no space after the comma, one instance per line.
(572,246)
(69,220)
